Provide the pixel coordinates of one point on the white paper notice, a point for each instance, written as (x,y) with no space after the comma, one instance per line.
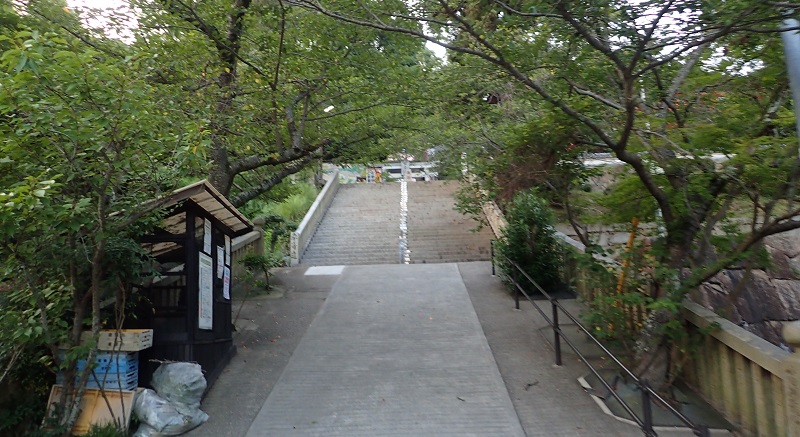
(227,250)
(207,236)
(205,319)
(226,284)
(220,261)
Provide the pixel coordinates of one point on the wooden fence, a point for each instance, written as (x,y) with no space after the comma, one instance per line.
(591,290)
(752,382)
(743,376)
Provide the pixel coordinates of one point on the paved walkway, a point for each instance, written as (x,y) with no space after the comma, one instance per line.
(397,350)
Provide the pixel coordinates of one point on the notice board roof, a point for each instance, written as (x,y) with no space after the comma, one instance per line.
(212,201)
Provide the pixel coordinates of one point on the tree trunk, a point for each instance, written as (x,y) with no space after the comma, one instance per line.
(219,174)
(654,350)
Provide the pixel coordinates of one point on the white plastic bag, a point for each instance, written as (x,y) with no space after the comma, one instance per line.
(180,383)
(175,408)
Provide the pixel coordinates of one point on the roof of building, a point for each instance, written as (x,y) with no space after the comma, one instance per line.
(207,197)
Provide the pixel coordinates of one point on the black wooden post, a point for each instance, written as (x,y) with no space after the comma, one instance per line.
(647,410)
(556,332)
(192,268)
(702,431)
(491,250)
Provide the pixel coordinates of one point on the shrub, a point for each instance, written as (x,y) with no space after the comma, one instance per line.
(258,265)
(530,240)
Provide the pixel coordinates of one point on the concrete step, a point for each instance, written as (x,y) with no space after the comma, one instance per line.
(437,253)
(438,233)
(448,249)
(363,252)
(348,261)
(362,226)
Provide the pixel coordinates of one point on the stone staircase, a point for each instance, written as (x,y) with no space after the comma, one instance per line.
(437,233)
(362,226)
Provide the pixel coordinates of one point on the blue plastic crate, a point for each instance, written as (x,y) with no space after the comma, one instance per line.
(116,362)
(113,362)
(128,385)
(112,381)
(108,381)
(111,370)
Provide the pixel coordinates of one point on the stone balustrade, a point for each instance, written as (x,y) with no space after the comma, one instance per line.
(302,236)
(251,242)
(497,221)
(754,383)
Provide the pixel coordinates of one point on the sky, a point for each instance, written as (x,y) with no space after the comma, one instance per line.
(95,3)
(99,21)
(437,50)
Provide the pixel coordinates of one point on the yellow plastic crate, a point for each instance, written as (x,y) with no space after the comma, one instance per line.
(115,408)
(126,340)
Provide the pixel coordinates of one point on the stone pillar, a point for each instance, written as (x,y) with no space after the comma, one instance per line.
(791,334)
(258,226)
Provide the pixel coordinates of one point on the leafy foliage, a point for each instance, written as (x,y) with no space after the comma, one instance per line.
(275,87)
(691,97)
(85,142)
(258,267)
(529,240)
(661,87)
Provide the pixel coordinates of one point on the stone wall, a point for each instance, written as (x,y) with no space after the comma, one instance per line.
(761,304)
(766,298)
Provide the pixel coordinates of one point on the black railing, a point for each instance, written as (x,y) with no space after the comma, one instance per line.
(645,422)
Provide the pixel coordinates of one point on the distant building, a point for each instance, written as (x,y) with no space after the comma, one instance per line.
(393,170)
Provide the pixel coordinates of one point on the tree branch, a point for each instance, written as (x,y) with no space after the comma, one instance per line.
(513,11)
(599,98)
(288,155)
(266,184)
(589,37)
(227,46)
(347,111)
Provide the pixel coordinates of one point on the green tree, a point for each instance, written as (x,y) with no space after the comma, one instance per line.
(84,143)
(276,87)
(661,86)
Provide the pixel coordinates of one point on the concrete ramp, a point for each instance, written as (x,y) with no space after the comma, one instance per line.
(397,350)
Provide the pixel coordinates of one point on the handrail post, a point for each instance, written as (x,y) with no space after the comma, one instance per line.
(556,332)
(647,410)
(644,423)
(491,251)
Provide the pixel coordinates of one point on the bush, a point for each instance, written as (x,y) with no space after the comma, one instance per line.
(257,265)
(530,240)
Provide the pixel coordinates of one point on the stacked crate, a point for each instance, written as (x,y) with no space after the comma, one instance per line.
(111,371)
(116,366)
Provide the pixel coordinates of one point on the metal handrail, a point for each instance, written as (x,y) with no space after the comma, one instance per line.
(646,423)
